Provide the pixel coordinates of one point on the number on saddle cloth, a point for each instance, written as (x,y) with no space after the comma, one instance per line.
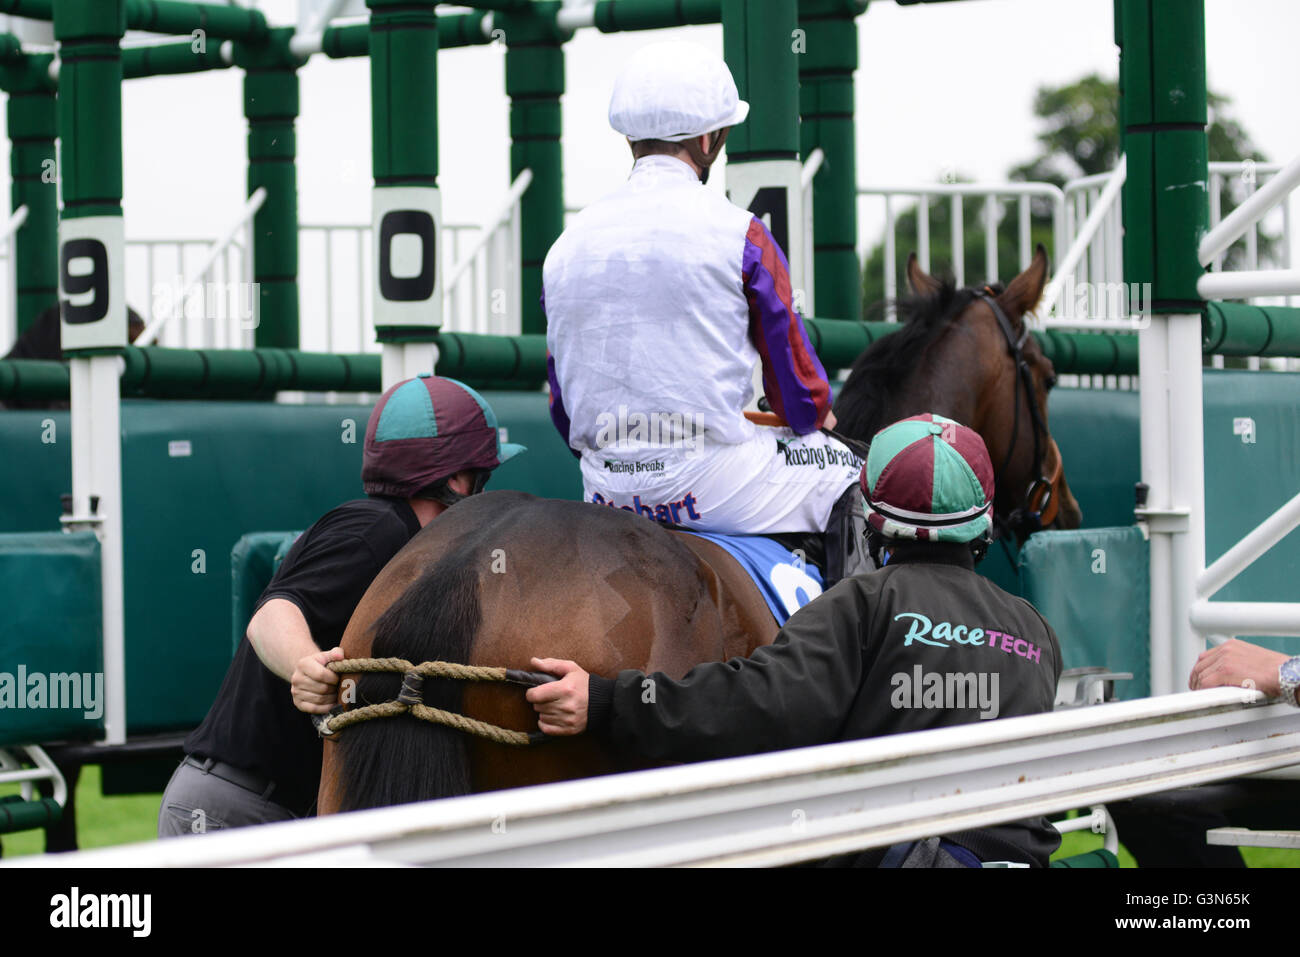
(786,581)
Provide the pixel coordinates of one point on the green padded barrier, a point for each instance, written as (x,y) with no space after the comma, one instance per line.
(19,815)
(1092,587)
(253,561)
(1098,434)
(1100,858)
(1253,469)
(51,669)
(196,477)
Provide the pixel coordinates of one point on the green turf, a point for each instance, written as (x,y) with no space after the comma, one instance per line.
(101,821)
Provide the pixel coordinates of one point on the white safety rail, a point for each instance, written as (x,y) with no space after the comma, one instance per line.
(13,770)
(213,304)
(812,165)
(482,290)
(784,807)
(997,200)
(9,321)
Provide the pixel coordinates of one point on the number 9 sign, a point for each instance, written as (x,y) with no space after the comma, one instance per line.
(408,282)
(91,283)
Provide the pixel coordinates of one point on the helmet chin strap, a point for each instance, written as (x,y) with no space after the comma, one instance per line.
(702,159)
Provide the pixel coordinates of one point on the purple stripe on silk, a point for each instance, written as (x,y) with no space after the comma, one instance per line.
(793,376)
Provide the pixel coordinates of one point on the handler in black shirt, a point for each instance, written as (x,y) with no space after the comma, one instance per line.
(920,643)
(256,757)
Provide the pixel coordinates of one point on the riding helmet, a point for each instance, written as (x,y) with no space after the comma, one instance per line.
(928,478)
(673,91)
(425,429)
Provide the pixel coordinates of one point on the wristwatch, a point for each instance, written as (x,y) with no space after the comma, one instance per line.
(1288,675)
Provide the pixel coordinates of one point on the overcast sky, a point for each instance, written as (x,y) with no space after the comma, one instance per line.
(947,85)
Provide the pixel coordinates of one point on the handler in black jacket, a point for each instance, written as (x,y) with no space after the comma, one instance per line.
(923,642)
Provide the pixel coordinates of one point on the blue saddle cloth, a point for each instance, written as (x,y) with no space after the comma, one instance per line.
(786,582)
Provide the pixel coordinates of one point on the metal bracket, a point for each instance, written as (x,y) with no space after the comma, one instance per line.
(1165,521)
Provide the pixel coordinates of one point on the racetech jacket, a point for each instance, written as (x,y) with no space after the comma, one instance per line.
(922,643)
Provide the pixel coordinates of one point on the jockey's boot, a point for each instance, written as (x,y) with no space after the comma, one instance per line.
(846,539)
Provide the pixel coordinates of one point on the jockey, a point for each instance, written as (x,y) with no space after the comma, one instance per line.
(256,758)
(922,642)
(660,299)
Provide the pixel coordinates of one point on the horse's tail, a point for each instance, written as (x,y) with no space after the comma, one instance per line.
(402,759)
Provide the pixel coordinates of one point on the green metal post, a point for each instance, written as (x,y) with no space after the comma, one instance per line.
(406,205)
(32,120)
(92,279)
(761,44)
(271,108)
(1166,207)
(826,105)
(534,83)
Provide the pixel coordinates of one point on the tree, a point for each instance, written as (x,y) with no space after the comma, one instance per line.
(1080,137)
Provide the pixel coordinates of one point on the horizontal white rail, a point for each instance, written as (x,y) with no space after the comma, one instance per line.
(1246,617)
(1254,544)
(788,806)
(1247,285)
(1249,212)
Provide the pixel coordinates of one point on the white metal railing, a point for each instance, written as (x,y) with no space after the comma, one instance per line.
(1022,194)
(491,267)
(13,772)
(787,806)
(1094,258)
(812,165)
(9,324)
(230,308)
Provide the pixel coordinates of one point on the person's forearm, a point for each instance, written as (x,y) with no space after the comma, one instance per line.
(280,636)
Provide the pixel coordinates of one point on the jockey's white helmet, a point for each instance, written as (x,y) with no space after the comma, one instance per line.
(673,91)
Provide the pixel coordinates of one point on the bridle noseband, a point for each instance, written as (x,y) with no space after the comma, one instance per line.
(1041,504)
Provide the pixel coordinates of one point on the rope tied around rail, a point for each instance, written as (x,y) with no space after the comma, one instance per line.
(410,700)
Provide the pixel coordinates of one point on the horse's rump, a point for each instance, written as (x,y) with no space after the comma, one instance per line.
(498,579)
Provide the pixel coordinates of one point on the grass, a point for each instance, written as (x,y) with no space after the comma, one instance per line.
(105,821)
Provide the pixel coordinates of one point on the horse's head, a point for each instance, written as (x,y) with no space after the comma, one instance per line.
(1011,412)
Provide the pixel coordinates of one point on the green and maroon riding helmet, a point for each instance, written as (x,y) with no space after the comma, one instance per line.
(928,479)
(423,431)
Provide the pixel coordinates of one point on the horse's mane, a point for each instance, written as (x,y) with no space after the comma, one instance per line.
(881,370)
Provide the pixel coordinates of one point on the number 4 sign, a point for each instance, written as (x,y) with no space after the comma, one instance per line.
(92,281)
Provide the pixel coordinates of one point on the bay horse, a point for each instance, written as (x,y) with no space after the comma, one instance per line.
(503,576)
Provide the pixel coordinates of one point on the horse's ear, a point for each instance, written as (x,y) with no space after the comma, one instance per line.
(921,282)
(1023,293)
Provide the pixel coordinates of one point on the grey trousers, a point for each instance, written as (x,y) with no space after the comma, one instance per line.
(198,801)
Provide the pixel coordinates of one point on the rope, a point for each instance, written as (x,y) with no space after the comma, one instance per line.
(426,669)
(410,701)
(391,709)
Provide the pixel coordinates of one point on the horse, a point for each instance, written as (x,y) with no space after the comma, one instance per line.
(503,577)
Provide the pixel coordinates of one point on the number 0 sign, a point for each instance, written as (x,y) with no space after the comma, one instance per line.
(408,281)
(92,283)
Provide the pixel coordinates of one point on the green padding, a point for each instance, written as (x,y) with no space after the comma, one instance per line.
(1092,587)
(1246,481)
(19,815)
(1100,858)
(196,476)
(253,561)
(51,670)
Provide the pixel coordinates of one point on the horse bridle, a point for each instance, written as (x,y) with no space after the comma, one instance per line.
(1040,505)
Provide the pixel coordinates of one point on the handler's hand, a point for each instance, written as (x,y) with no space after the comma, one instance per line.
(1235,663)
(314,685)
(561,705)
